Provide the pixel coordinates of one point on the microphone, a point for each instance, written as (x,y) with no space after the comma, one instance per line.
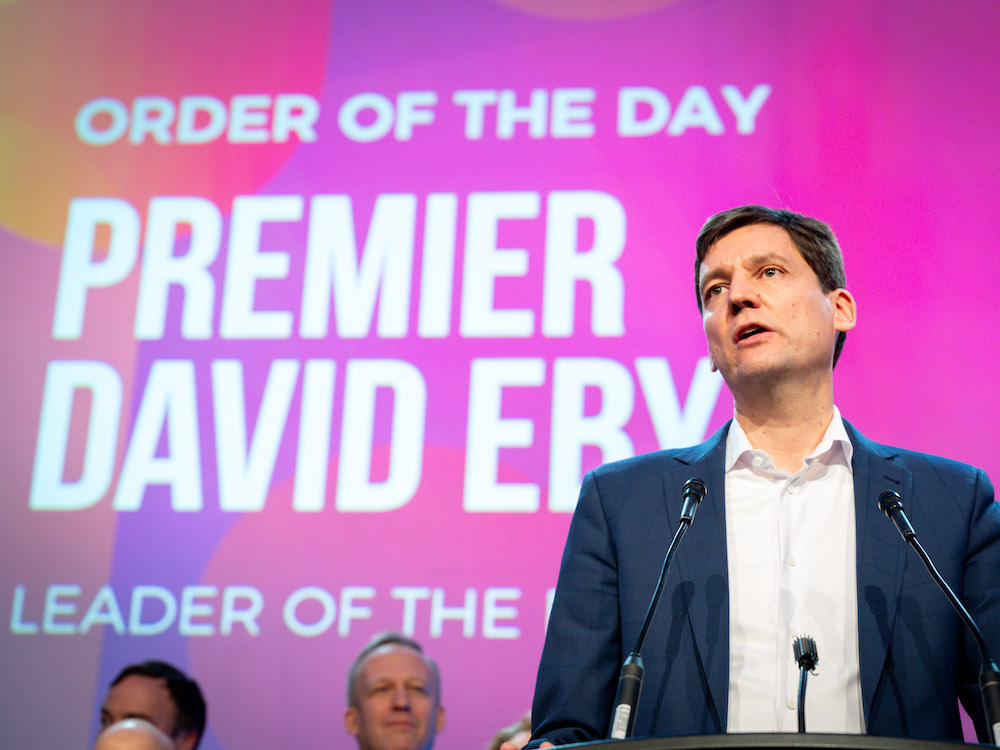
(807,657)
(630,678)
(891,504)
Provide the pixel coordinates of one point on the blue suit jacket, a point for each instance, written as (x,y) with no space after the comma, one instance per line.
(915,656)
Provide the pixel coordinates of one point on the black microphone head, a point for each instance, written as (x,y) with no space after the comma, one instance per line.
(804,649)
(694,493)
(695,490)
(890,501)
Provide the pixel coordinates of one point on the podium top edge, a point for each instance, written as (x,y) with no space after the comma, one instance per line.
(774,741)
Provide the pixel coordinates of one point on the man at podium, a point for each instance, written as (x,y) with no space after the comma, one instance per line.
(789,540)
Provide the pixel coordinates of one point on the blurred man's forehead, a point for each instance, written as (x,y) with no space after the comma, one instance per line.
(143,697)
(394,658)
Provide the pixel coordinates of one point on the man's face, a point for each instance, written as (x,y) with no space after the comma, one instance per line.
(140,697)
(764,311)
(395,706)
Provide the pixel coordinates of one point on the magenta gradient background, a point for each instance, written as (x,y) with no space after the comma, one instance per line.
(882,121)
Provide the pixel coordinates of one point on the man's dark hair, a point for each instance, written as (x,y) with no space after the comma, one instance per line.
(187,697)
(813,238)
(390,638)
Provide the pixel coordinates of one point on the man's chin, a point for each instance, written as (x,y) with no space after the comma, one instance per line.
(404,738)
(759,367)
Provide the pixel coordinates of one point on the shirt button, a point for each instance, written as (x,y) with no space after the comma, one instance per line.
(757,461)
(790,490)
(792,562)
(793,632)
(791,704)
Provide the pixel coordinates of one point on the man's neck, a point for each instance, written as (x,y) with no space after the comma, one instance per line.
(786,423)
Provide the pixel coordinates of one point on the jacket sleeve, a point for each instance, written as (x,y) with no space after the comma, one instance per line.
(981,595)
(582,653)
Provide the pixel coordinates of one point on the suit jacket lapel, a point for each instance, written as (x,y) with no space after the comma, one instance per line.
(701,560)
(880,556)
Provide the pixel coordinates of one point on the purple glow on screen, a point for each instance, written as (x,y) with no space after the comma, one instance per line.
(317,316)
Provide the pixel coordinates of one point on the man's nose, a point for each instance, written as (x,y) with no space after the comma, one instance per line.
(742,293)
(401,697)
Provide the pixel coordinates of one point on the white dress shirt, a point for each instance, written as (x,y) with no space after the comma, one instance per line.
(792,571)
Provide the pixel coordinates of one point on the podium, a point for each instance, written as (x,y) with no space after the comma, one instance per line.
(772,741)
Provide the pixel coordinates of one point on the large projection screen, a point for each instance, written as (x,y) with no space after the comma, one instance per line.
(315,313)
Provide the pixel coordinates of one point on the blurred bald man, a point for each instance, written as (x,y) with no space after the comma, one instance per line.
(394,696)
(133,734)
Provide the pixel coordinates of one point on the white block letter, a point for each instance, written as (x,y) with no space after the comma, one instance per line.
(475,103)
(349,611)
(466,613)
(246,264)
(139,595)
(152,115)
(245,471)
(327,616)
(161,268)
(384,272)
(187,129)
(104,610)
(350,124)
(674,428)
(746,110)
(295,113)
(493,611)
(413,108)
(484,262)
(313,459)
(168,402)
(115,109)
(564,265)
(49,491)
(355,490)
(571,113)
(489,431)
(248,617)
(629,100)
(509,114)
(572,428)
(696,110)
(80,271)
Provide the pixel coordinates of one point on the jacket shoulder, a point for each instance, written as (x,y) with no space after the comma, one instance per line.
(911,459)
(667,459)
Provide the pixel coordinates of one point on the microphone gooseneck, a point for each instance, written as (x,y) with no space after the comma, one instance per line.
(630,679)
(891,504)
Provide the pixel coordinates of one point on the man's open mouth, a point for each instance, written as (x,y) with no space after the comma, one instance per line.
(748,332)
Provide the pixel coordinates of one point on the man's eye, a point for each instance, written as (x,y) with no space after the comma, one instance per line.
(771,272)
(713,291)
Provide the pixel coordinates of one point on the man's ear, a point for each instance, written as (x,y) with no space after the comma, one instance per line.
(351,721)
(439,724)
(845,310)
(188,741)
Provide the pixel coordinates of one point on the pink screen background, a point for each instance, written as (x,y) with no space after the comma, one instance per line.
(880,119)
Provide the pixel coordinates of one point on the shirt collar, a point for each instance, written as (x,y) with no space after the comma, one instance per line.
(738,444)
